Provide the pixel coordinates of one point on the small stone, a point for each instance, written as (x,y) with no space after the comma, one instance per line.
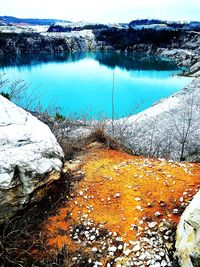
(137,199)
(175,211)
(136,248)
(152,224)
(98,263)
(127,252)
(162,204)
(92,237)
(142,257)
(181,199)
(94,249)
(157,214)
(162,254)
(120,247)
(117,195)
(112,249)
(168,232)
(163,263)
(81,193)
(158,257)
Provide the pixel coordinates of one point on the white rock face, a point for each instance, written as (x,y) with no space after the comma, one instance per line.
(195,70)
(188,235)
(30,157)
(159,130)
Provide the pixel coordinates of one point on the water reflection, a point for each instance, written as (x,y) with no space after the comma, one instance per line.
(111,59)
(81,82)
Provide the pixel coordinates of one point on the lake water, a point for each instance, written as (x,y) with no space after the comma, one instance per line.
(82,83)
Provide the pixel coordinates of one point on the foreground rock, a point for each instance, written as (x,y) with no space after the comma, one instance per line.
(30,158)
(188,235)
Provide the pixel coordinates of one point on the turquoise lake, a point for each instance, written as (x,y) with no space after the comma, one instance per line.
(82,83)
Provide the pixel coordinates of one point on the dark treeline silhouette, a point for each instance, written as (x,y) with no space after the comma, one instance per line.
(122,39)
(59,28)
(190,26)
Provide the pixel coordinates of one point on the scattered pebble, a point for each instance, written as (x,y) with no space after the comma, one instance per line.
(152,224)
(157,214)
(94,249)
(137,199)
(80,193)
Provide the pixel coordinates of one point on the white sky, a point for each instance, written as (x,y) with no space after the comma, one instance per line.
(102,10)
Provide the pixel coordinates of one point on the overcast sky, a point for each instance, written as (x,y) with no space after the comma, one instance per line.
(102,10)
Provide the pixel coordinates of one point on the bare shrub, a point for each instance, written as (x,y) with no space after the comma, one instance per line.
(172,134)
(186,123)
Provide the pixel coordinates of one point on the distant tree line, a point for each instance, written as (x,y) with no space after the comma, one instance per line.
(193,25)
(59,28)
(121,38)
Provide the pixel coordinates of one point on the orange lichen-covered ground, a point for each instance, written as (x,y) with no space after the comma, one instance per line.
(120,195)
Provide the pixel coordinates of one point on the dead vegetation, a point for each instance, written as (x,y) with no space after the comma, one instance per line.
(21,234)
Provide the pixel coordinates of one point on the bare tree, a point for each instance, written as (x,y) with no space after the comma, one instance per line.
(185,123)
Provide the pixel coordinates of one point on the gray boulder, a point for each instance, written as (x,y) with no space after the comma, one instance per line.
(188,235)
(30,158)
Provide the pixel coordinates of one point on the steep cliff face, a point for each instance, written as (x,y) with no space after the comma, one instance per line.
(46,43)
(188,235)
(132,39)
(180,45)
(147,40)
(30,158)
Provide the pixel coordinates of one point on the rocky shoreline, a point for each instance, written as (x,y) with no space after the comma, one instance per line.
(179,45)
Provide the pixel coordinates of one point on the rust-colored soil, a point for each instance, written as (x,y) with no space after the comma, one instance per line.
(122,194)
